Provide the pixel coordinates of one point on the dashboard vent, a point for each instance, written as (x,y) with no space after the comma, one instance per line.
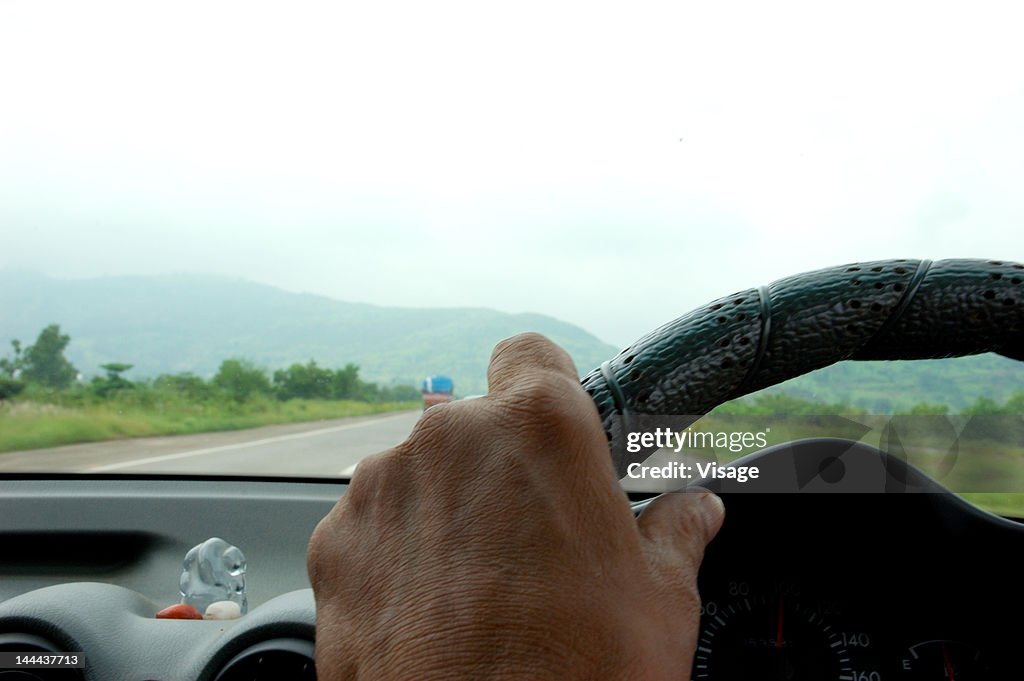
(27,643)
(280,658)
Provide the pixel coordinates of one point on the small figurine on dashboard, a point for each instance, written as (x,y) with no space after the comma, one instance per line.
(213,579)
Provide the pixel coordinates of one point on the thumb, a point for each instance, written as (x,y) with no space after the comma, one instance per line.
(677,527)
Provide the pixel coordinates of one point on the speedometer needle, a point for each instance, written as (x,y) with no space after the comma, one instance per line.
(778,631)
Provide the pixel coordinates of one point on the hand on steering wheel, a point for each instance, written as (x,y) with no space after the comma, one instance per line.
(496,543)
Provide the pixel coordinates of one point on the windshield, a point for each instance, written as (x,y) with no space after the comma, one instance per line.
(259,242)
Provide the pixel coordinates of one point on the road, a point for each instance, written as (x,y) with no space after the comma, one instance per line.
(323,448)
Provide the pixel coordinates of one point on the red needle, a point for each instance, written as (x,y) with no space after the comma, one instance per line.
(945,662)
(778,631)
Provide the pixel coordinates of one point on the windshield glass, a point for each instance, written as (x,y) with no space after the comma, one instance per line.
(258,242)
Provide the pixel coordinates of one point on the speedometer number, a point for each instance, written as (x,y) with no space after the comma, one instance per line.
(857,639)
(739,589)
(867,676)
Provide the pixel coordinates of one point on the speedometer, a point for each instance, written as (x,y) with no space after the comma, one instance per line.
(775,638)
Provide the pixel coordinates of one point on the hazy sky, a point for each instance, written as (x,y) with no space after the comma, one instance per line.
(613,165)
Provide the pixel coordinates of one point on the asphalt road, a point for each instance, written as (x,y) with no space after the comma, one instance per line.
(323,448)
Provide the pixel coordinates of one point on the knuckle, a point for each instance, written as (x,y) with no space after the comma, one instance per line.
(436,426)
(527,342)
(359,504)
(315,553)
(322,553)
(371,475)
(523,353)
(551,400)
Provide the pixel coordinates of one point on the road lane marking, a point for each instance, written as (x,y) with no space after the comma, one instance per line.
(239,445)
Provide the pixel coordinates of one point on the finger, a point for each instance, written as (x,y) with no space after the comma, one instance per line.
(518,359)
(683,522)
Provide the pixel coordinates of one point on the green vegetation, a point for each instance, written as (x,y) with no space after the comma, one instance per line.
(891,387)
(978,453)
(191,323)
(771,402)
(114,381)
(241,380)
(1007,504)
(40,408)
(174,323)
(43,362)
(34,424)
(9,387)
(973,446)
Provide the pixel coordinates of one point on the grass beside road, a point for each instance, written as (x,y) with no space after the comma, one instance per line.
(981,459)
(1009,504)
(33,425)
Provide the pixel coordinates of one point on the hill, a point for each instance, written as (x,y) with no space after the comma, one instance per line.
(884,387)
(177,323)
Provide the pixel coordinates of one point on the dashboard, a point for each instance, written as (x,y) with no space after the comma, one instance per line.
(861,587)
(87,562)
(898,594)
(871,572)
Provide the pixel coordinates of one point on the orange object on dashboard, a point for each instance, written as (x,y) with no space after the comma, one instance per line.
(180,611)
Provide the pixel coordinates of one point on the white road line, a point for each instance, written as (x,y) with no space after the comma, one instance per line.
(240,445)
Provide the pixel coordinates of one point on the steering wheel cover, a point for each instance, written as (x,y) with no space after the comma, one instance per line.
(883,310)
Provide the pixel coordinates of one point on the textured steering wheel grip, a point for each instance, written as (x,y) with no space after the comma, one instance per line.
(885,310)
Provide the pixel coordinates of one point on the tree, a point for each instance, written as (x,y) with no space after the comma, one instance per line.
(1015,404)
(241,379)
(44,361)
(306,381)
(983,406)
(186,384)
(114,380)
(346,383)
(11,367)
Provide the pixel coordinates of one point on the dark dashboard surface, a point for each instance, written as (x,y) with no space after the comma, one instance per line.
(860,586)
(872,571)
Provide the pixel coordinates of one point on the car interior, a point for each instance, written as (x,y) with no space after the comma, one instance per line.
(840,561)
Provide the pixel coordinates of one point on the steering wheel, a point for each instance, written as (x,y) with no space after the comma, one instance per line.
(884,310)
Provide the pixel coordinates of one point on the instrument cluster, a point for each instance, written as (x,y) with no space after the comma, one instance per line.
(860,587)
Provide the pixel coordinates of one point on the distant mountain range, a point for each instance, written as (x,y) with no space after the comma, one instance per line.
(176,323)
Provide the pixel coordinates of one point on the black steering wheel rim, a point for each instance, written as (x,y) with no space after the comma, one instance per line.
(756,338)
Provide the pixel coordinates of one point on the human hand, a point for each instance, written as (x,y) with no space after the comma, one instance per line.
(496,543)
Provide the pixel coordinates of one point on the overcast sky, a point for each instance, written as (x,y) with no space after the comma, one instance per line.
(611,165)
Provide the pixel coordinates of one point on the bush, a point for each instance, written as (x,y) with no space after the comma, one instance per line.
(306,381)
(929,409)
(241,379)
(9,387)
(114,381)
(186,385)
(983,406)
